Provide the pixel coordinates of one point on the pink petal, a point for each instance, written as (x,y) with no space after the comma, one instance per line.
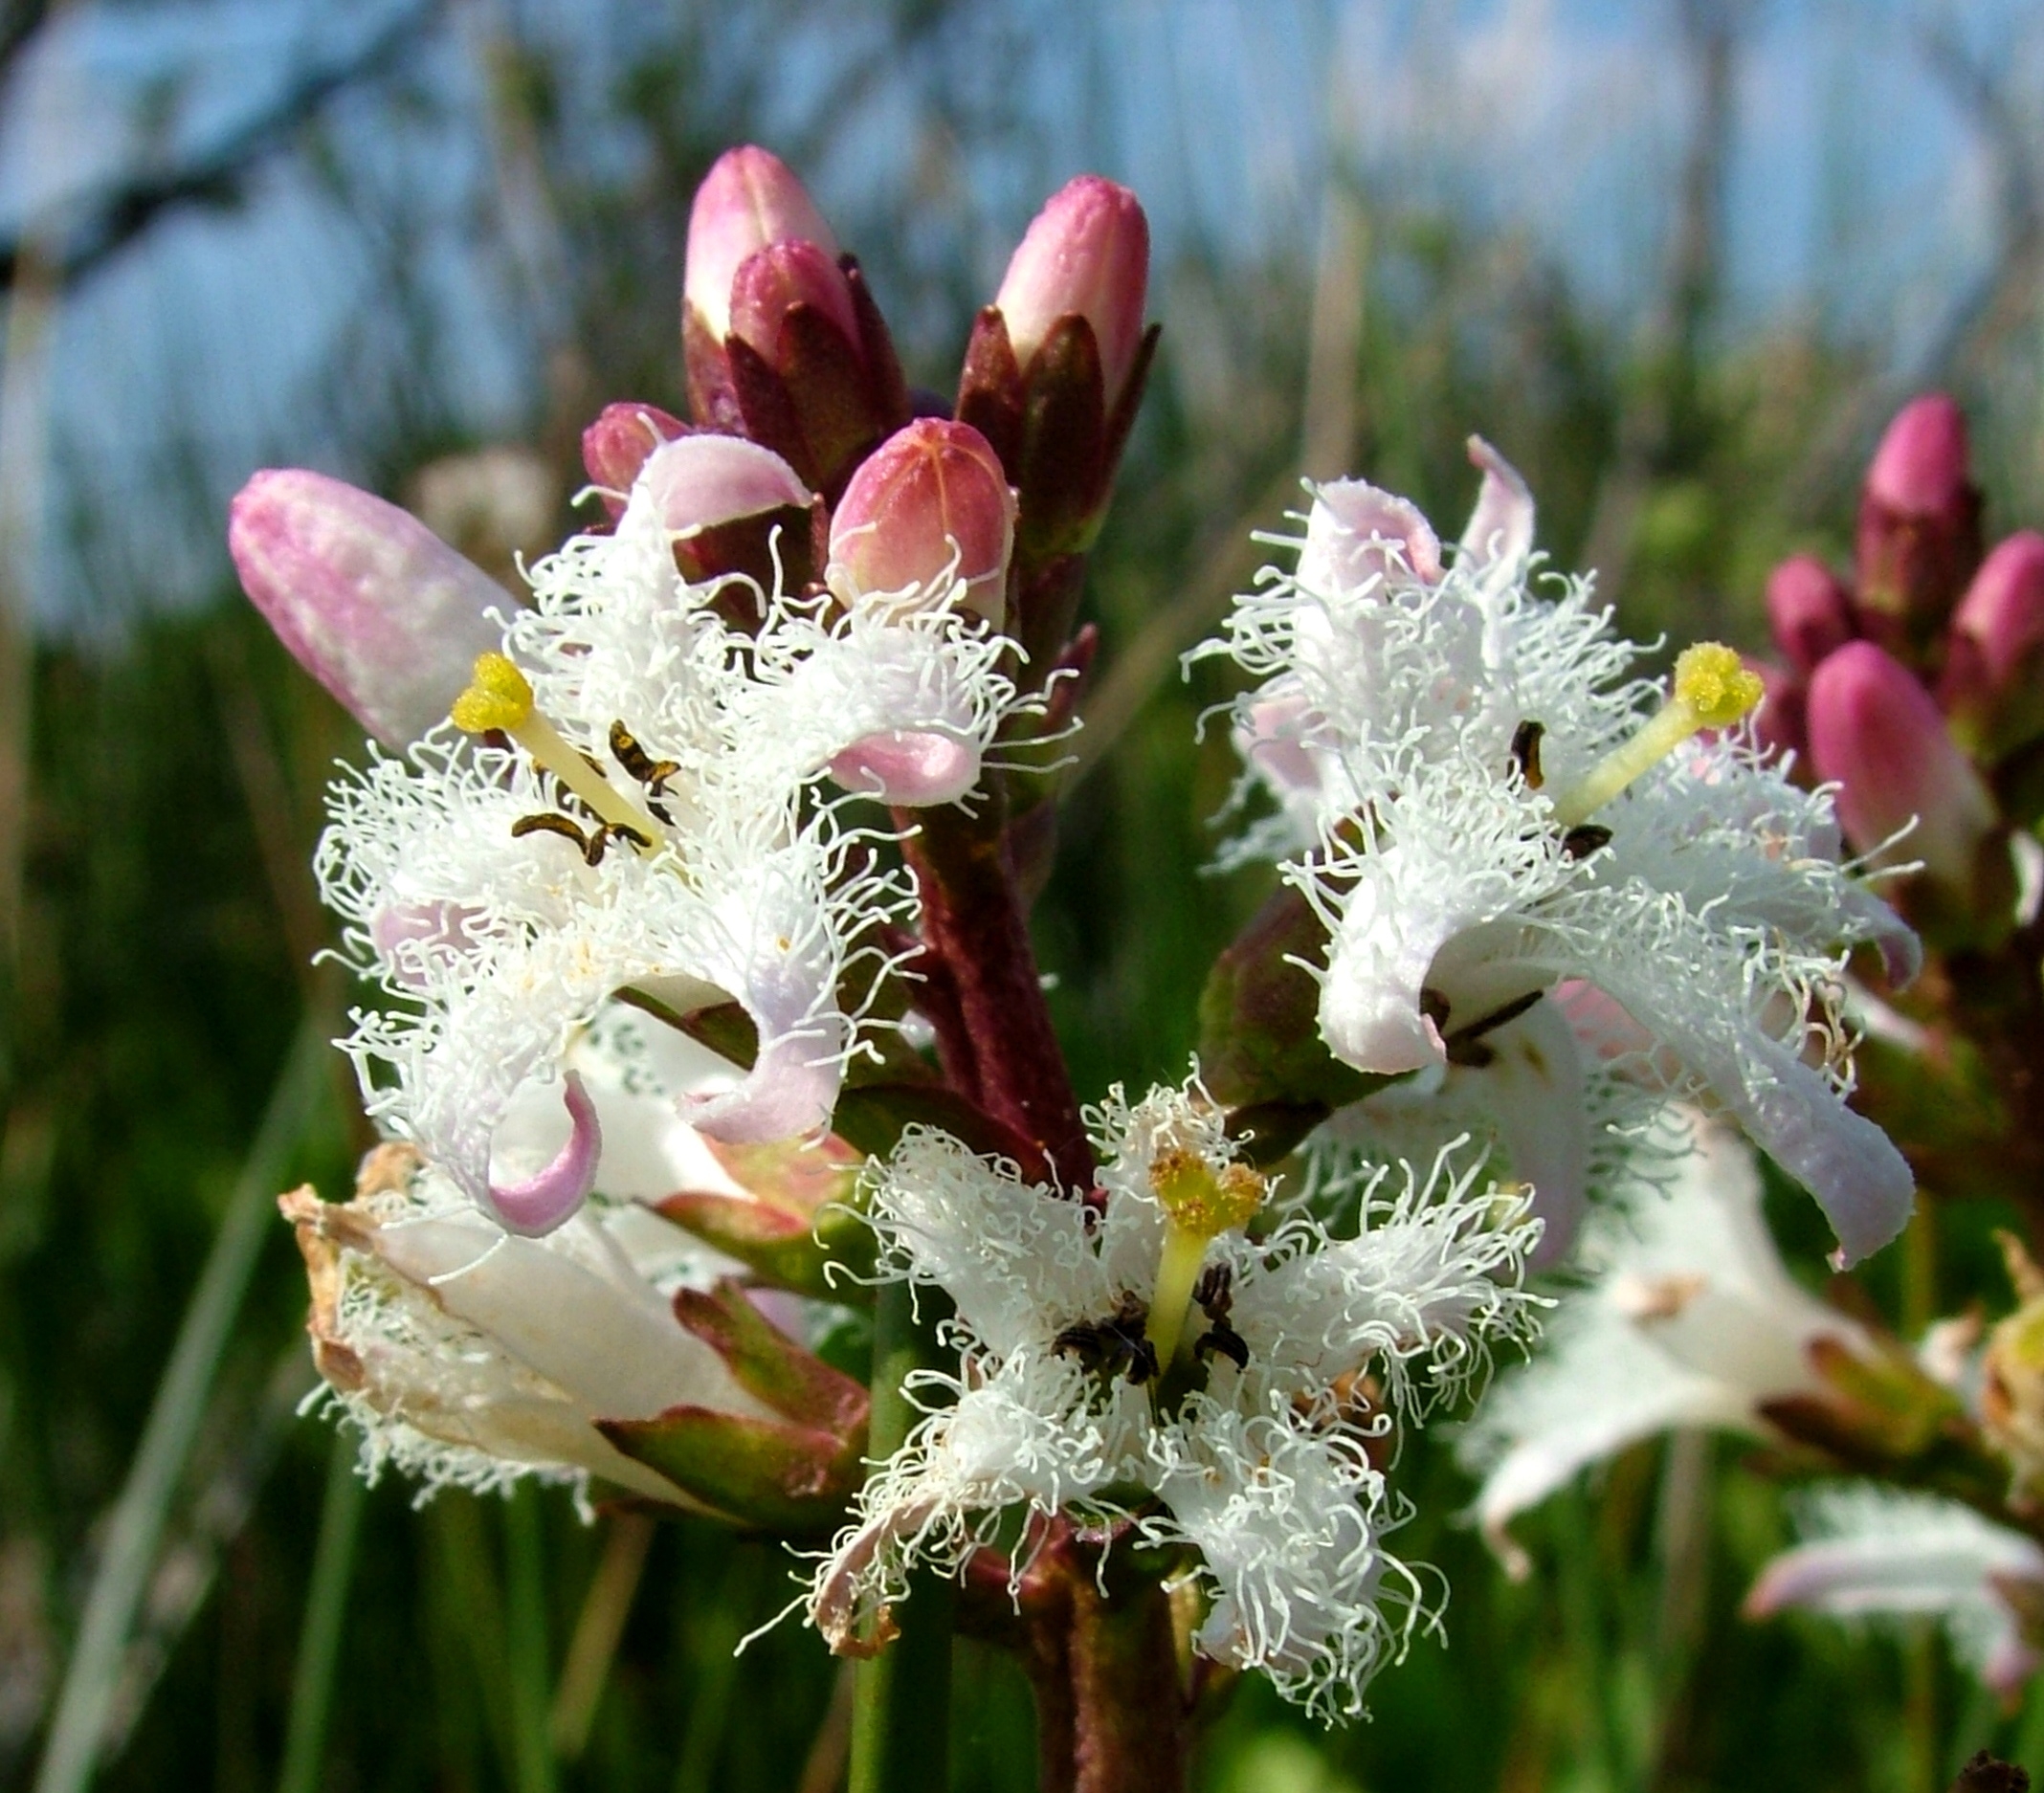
(912,767)
(1501,528)
(697,482)
(1357,534)
(541,1202)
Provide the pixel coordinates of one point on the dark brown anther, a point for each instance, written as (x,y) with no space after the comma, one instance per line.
(1213,1294)
(547,822)
(497,737)
(1434,1006)
(1498,1016)
(1221,1339)
(614,830)
(1583,839)
(1115,1346)
(1526,752)
(640,765)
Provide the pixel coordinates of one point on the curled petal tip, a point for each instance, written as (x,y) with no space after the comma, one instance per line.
(542,1203)
(1501,527)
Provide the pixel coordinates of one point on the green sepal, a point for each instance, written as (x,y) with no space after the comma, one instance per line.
(769,1364)
(761,1472)
(784,1249)
(1260,1037)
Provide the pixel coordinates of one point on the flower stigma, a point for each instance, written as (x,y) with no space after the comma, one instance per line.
(500,698)
(1200,1204)
(1713,689)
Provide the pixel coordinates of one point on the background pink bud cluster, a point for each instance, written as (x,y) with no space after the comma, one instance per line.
(1916,686)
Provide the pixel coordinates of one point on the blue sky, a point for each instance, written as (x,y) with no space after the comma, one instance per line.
(1856,190)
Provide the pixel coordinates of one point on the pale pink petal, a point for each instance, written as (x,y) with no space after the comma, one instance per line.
(1501,528)
(697,482)
(914,768)
(539,1203)
(790,1090)
(1357,534)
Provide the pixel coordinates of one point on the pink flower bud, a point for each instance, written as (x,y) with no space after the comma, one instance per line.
(748,200)
(616,445)
(931,502)
(1809,611)
(1919,469)
(1918,535)
(1875,730)
(770,284)
(370,601)
(1993,684)
(1086,255)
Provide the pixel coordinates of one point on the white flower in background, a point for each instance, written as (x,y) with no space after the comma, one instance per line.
(627,807)
(1156,1349)
(1482,801)
(1874,1553)
(1689,1319)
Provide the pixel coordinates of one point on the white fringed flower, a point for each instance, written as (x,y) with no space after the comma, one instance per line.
(1472,792)
(1689,1319)
(632,806)
(1875,1553)
(1154,1361)
(468,1356)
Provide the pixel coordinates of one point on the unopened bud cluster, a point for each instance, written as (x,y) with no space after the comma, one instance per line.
(1918,687)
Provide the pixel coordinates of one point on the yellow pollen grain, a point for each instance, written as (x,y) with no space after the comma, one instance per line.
(498,697)
(1200,1200)
(1712,680)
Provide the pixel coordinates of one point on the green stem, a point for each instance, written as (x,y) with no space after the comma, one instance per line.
(525,1637)
(902,1697)
(333,1563)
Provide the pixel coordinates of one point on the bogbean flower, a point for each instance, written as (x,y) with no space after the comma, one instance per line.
(618,1354)
(1166,1360)
(630,806)
(467,1356)
(1873,1553)
(1689,1319)
(1482,800)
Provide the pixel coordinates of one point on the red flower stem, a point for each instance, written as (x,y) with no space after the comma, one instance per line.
(973,922)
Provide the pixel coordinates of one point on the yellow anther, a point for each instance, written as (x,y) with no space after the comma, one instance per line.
(1201,1200)
(1711,689)
(499,697)
(1715,683)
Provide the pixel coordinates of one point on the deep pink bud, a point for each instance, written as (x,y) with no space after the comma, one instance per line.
(748,200)
(1876,732)
(931,501)
(770,284)
(1918,535)
(1809,611)
(1993,684)
(373,605)
(1919,469)
(616,445)
(1086,253)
